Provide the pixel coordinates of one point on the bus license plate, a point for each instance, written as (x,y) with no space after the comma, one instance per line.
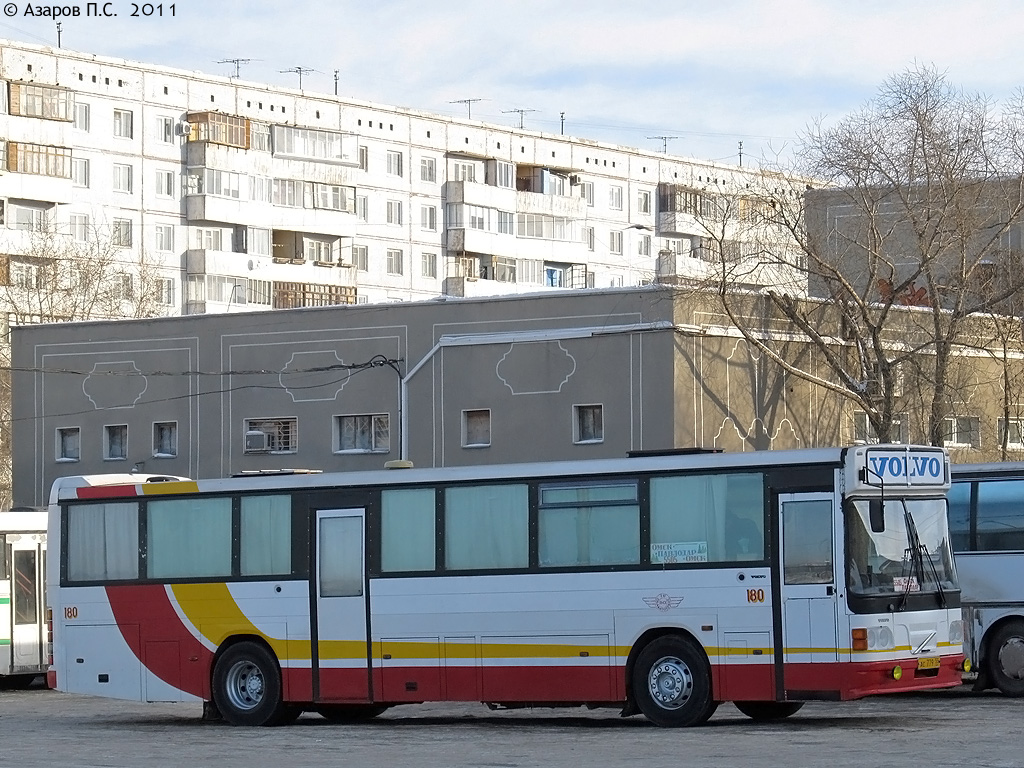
(929,663)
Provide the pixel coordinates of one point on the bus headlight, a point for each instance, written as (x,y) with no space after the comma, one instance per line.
(956,631)
(880,639)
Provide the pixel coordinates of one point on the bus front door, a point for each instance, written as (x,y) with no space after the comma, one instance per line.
(341,669)
(809,603)
(27,641)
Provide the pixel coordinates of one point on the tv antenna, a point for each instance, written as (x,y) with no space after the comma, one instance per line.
(469,106)
(237,62)
(664,142)
(300,71)
(521,113)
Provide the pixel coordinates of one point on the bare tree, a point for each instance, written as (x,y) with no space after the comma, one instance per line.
(909,230)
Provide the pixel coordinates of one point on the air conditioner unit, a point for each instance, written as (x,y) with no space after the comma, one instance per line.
(256,441)
(574,180)
(183,128)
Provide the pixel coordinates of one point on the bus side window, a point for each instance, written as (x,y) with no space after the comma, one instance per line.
(960,516)
(1000,526)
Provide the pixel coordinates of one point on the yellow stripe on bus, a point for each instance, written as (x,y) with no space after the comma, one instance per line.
(183,486)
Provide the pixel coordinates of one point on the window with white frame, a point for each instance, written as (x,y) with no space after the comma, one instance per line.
(80,171)
(123,123)
(463,171)
(394,263)
(165,129)
(278,435)
(212,181)
(30,218)
(122,178)
(121,233)
(506,222)
(320,251)
(69,444)
(476,217)
(394,163)
(556,184)
(476,428)
(364,158)
(288,192)
(961,431)
(209,238)
(360,257)
(588,423)
(165,183)
(164,237)
(259,136)
(115,442)
(82,116)
(588,237)
(334,197)
(362,208)
(394,212)
(165,439)
(428,169)
(124,286)
(79,227)
(258,292)
(165,291)
(259,241)
(587,192)
(1012,432)
(261,189)
(504,175)
(863,432)
(26,276)
(428,264)
(643,201)
(615,197)
(643,246)
(428,218)
(364,433)
(615,241)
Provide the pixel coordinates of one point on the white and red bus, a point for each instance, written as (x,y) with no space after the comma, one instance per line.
(660,585)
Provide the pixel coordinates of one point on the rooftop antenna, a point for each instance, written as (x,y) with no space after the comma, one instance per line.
(58,33)
(664,142)
(300,71)
(561,117)
(237,62)
(741,154)
(336,81)
(469,106)
(521,113)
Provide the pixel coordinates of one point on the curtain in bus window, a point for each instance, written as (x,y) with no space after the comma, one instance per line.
(341,557)
(1001,515)
(189,538)
(407,530)
(103,541)
(266,536)
(707,518)
(582,525)
(486,527)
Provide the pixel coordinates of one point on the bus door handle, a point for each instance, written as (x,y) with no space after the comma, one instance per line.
(830,590)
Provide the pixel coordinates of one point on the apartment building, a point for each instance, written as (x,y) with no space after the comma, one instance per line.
(245,196)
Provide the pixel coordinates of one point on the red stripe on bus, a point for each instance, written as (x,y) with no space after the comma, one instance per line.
(157,637)
(104,491)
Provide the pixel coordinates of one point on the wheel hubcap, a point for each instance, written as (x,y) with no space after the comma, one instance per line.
(245,686)
(670,683)
(1011,658)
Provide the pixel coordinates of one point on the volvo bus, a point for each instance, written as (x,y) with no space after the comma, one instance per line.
(657,585)
(986,508)
(23,633)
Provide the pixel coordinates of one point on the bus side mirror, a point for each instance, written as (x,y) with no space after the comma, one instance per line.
(876,515)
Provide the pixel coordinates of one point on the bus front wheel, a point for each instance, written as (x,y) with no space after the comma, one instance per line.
(247,686)
(672,683)
(1006,658)
(764,711)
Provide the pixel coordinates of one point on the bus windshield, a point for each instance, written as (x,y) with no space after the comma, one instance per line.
(912,553)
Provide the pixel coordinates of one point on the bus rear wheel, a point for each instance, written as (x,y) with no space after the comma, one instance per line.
(763,711)
(1006,658)
(672,683)
(247,686)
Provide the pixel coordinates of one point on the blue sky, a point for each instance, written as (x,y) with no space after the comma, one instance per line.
(711,74)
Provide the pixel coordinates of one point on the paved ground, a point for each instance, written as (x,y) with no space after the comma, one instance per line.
(957,728)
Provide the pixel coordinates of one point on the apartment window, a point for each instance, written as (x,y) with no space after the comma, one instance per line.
(165,291)
(364,158)
(258,292)
(362,208)
(26,276)
(587,192)
(333,197)
(258,241)
(506,223)
(555,184)
(476,428)
(319,251)
(121,232)
(463,172)
(79,227)
(644,245)
(428,169)
(588,422)
(313,143)
(394,211)
(369,433)
(428,218)
(39,159)
(615,198)
(29,218)
(476,217)
(122,178)
(43,101)
(211,181)
(504,175)
(588,237)
(288,192)
(1012,431)
(643,201)
(123,123)
(961,431)
(428,264)
(615,241)
(360,257)
(394,261)
(69,444)
(271,435)
(164,238)
(863,432)
(394,160)
(209,239)
(82,117)
(80,172)
(165,183)
(259,136)
(165,129)
(124,286)
(115,442)
(165,439)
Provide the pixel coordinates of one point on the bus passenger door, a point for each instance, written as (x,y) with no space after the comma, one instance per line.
(809,602)
(27,580)
(340,644)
